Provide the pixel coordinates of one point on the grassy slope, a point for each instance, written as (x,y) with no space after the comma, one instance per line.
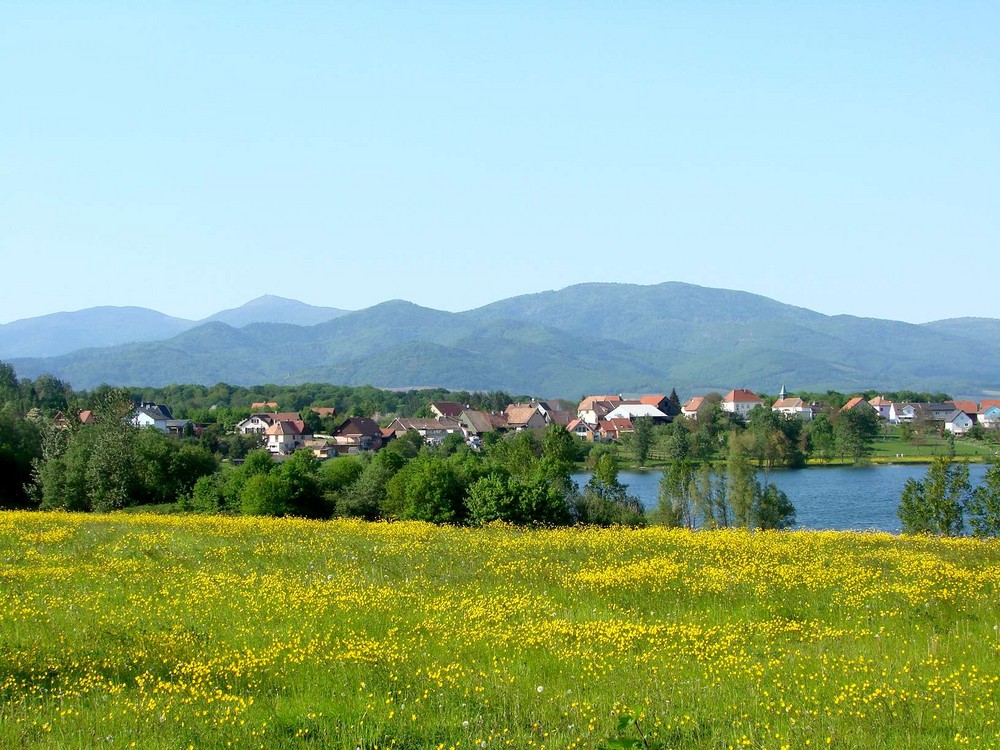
(178,631)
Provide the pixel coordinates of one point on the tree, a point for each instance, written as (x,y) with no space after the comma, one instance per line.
(559,454)
(936,503)
(642,439)
(366,496)
(772,509)
(500,497)
(822,438)
(741,485)
(265,495)
(678,441)
(93,467)
(710,498)
(984,505)
(855,430)
(676,503)
(604,500)
(426,490)
(20,447)
(674,402)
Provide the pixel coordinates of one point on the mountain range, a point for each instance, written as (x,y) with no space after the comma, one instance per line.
(595,337)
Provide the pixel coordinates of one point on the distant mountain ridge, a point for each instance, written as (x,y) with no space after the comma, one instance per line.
(589,337)
(64,332)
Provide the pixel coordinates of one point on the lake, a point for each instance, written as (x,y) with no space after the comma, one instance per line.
(825,497)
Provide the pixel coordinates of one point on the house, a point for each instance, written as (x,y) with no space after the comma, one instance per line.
(940,412)
(741,401)
(451,409)
(969,407)
(658,400)
(475,424)
(882,405)
(357,434)
(321,447)
(259,422)
(859,403)
(690,408)
(902,412)
(594,408)
(323,412)
(158,416)
(613,429)
(582,430)
(262,405)
(560,416)
(793,407)
(632,410)
(87,417)
(524,417)
(433,431)
(286,436)
(990,417)
(958,422)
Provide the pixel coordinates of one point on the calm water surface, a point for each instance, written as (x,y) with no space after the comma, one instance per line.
(834,497)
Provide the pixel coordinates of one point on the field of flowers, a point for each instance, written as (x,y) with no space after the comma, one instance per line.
(205,632)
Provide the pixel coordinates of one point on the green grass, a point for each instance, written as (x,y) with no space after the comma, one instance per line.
(177,631)
(928,447)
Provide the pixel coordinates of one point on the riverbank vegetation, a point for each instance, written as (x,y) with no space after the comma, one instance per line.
(208,631)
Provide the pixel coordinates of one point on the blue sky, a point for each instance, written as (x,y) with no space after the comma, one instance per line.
(191,156)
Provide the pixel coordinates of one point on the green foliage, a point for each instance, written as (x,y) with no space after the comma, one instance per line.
(936,504)
(366,496)
(822,437)
(772,509)
(516,453)
(265,495)
(676,504)
(500,497)
(642,439)
(741,484)
(426,489)
(20,448)
(605,501)
(984,505)
(855,430)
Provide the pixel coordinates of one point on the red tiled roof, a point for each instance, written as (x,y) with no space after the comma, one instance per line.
(986,403)
(694,403)
(742,395)
(652,399)
(856,401)
(284,427)
(969,407)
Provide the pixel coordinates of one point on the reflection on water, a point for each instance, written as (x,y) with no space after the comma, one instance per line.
(836,497)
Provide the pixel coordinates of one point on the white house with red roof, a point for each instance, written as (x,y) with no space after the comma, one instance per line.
(286,436)
(882,405)
(690,408)
(741,401)
(793,407)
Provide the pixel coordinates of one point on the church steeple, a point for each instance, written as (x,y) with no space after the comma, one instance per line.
(783,394)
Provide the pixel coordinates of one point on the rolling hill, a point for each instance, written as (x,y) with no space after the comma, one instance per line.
(589,337)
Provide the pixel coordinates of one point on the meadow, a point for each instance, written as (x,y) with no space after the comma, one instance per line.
(208,632)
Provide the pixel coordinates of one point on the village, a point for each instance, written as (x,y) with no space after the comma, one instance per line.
(597,418)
